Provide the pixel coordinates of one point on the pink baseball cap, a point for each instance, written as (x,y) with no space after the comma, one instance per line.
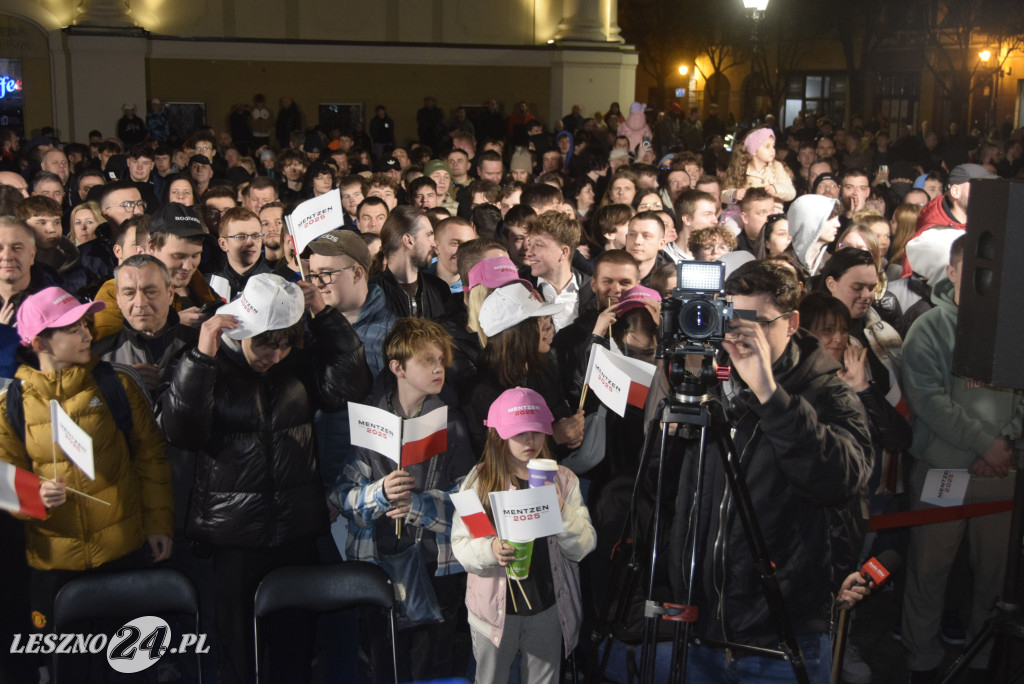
(50,308)
(639,297)
(495,272)
(519,410)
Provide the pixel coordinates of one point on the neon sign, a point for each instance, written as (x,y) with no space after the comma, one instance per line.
(8,85)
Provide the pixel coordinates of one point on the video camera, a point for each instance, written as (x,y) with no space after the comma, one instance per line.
(694,321)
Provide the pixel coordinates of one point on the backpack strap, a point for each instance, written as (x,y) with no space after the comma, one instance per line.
(15,409)
(114,394)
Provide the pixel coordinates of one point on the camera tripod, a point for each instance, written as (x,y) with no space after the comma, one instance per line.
(696,415)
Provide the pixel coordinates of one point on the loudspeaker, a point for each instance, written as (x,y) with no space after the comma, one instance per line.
(990,327)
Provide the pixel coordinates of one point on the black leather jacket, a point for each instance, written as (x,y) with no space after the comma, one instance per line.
(805,453)
(256,482)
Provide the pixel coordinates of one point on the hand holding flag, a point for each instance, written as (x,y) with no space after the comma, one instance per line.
(19,492)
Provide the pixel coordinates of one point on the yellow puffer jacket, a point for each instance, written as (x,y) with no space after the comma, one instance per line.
(134,478)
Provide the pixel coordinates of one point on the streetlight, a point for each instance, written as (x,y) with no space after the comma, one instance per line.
(757,8)
(985,55)
(683,69)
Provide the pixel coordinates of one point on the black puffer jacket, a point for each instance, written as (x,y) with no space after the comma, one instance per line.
(256,480)
(804,453)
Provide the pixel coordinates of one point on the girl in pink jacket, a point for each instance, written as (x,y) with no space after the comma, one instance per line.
(503,625)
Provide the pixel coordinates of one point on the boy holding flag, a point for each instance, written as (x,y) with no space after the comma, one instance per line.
(375,491)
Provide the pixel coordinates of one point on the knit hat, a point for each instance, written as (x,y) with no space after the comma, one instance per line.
(756,138)
(521,160)
(519,410)
(436,165)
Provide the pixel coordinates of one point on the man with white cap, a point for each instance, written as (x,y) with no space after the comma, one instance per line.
(245,399)
(950,208)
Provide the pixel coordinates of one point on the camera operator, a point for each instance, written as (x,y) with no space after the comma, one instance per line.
(804,448)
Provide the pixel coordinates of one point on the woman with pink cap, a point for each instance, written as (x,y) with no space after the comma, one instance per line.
(753,165)
(544,614)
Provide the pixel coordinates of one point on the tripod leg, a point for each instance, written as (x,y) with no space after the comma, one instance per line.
(649,650)
(755,540)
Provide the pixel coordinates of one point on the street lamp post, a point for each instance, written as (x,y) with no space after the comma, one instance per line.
(757,9)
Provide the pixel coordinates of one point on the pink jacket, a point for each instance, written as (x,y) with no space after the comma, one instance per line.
(635,128)
(485,583)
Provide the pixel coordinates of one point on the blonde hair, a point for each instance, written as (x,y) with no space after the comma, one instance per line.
(494,474)
(96,214)
(476,300)
(412,336)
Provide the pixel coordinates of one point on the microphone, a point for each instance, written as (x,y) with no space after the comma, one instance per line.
(880,568)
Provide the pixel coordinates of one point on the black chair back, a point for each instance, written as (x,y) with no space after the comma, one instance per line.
(323,589)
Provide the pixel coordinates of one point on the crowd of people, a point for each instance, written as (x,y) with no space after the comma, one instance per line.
(150,286)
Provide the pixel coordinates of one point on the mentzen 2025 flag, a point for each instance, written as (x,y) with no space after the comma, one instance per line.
(472,512)
(424,437)
(618,381)
(375,429)
(314,217)
(75,441)
(525,514)
(19,492)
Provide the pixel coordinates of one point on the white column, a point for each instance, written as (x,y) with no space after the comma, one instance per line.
(591,78)
(581,22)
(104,14)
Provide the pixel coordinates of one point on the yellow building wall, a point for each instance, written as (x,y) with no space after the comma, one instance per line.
(487,22)
(401,88)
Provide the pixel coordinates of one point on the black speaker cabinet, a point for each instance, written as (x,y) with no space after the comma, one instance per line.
(990,327)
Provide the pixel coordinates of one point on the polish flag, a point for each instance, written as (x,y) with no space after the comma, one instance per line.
(424,437)
(618,380)
(472,512)
(19,492)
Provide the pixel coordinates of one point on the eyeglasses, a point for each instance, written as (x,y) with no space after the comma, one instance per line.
(204,148)
(243,237)
(656,206)
(130,205)
(215,212)
(325,277)
(765,324)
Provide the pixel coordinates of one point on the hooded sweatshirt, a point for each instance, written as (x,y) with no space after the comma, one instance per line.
(635,126)
(807,216)
(953,425)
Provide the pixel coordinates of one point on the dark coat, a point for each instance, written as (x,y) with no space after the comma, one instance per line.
(256,482)
(804,453)
(431,297)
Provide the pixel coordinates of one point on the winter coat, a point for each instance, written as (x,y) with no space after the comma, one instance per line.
(256,480)
(431,297)
(110,320)
(635,127)
(360,491)
(953,423)
(937,213)
(132,475)
(131,347)
(485,584)
(804,453)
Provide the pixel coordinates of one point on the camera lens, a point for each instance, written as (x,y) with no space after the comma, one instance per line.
(698,319)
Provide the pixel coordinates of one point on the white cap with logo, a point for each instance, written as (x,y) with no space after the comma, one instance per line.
(268,302)
(512,304)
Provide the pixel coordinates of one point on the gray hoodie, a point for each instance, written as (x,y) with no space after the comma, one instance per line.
(807,216)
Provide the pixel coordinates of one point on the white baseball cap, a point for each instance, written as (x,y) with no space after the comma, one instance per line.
(268,302)
(510,305)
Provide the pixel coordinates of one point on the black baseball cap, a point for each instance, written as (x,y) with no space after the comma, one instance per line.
(176,219)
